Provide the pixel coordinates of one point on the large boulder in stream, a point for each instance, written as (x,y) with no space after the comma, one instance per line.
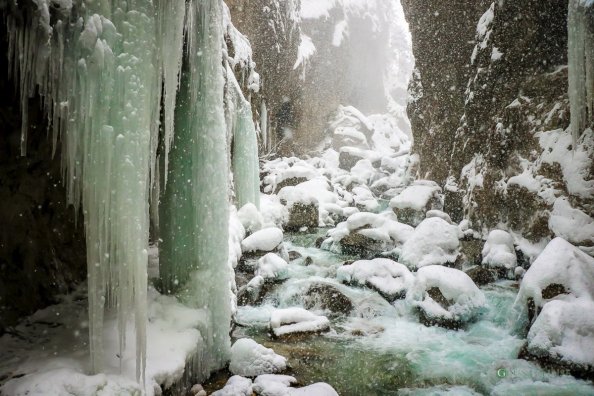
(250,359)
(555,302)
(445,297)
(369,234)
(413,203)
(324,295)
(390,279)
(302,205)
(265,240)
(288,322)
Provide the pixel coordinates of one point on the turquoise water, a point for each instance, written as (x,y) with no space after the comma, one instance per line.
(382,349)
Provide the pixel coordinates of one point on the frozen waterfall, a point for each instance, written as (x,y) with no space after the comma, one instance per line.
(109,76)
(580,29)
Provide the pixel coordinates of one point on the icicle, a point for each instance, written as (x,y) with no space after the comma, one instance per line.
(170,15)
(194,208)
(580,27)
(100,91)
(264,125)
(245,160)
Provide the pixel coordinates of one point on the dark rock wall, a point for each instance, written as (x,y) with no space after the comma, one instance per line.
(42,250)
(274,37)
(480,100)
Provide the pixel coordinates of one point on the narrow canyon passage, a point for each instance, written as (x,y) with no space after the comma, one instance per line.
(296,197)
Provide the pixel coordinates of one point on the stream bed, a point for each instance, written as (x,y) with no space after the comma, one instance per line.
(383,349)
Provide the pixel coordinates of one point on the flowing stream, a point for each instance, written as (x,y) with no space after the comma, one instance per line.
(382,349)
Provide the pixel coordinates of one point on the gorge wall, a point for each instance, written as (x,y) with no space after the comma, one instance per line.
(490,115)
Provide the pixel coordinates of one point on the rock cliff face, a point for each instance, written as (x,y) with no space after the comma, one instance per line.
(490,112)
(42,249)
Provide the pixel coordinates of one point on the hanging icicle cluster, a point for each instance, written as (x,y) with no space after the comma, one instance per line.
(108,73)
(245,160)
(580,27)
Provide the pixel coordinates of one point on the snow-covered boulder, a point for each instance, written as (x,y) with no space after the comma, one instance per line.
(302,205)
(280,385)
(324,295)
(571,224)
(391,279)
(561,269)
(271,267)
(236,386)
(250,218)
(438,213)
(295,320)
(252,292)
(250,359)
(412,204)
(274,213)
(367,234)
(563,334)
(445,296)
(264,240)
(434,241)
(498,252)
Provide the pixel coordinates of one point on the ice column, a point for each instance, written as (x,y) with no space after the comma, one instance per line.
(194,209)
(580,28)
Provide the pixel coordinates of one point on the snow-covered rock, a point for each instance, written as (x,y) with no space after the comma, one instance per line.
(369,233)
(391,279)
(438,213)
(564,333)
(561,263)
(445,296)
(499,252)
(236,386)
(561,268)
(251,292)
(571,224)
(272,267)
(250,359)
(273,384)
(279,385)
(434,241)
(264,240)
(317,389)
(250,217)
(296,320)
(414,201)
